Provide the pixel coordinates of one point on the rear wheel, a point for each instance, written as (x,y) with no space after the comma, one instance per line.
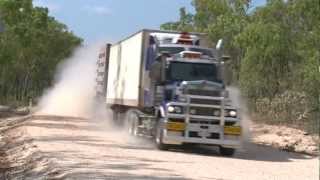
(226,151)
(132,123)
(159,137)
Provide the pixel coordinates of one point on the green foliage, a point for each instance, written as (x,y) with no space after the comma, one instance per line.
(223,19)
(275,53)
(267,54)
(286,107)
(290,107)
(30,48)
(282,53)
(184,24)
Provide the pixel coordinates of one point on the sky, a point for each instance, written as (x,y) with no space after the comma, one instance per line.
(111,20)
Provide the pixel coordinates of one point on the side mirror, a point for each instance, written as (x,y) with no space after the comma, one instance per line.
(219,45)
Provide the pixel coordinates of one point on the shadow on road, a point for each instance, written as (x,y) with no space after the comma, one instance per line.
(267,153)
(250,151)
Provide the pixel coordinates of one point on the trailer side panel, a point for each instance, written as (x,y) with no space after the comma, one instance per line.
(124,72)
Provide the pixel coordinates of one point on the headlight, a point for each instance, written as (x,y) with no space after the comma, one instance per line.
(230,113)
(171,109)
(233,113)
(175,109)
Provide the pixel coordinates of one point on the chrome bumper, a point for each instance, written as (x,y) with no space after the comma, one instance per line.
(176,137)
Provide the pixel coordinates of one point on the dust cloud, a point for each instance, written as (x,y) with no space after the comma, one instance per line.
(241,104)
(73,91)
(73,95)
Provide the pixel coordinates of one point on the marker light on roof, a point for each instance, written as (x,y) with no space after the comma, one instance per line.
(185,35)
(185,41)
(191,55)
(185,38)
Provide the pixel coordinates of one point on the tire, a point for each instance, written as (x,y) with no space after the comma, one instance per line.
(226,151)
(159,138)
(132,123)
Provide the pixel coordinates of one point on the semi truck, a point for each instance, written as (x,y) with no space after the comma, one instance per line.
(169,86)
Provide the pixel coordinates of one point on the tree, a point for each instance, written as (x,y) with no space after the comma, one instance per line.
(282,54)
(275,53)
(184,24)
(219,19)
(30,48)
(268,62)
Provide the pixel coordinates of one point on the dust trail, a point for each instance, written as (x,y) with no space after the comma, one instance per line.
(73,95)
(73,90)
(239,102)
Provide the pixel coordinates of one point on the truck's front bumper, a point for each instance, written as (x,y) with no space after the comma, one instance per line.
(170,137)
(201,126)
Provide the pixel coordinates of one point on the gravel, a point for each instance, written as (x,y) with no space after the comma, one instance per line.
(75,148)
(285,138)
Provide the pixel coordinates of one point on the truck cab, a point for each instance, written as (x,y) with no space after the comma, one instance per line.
(195,108)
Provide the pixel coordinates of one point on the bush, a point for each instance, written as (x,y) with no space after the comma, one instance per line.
(290,108)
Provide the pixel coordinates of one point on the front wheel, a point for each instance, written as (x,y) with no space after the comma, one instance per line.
(159,137)
(226,151)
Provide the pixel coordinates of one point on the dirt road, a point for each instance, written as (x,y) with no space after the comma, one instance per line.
(74,148)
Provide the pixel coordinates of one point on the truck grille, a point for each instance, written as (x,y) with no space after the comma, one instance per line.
(202,111)
(200,92)
(202,121)
(214,136)
(195,134)
(205,101)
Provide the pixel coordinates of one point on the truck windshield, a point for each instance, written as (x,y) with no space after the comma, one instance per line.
(181,71)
